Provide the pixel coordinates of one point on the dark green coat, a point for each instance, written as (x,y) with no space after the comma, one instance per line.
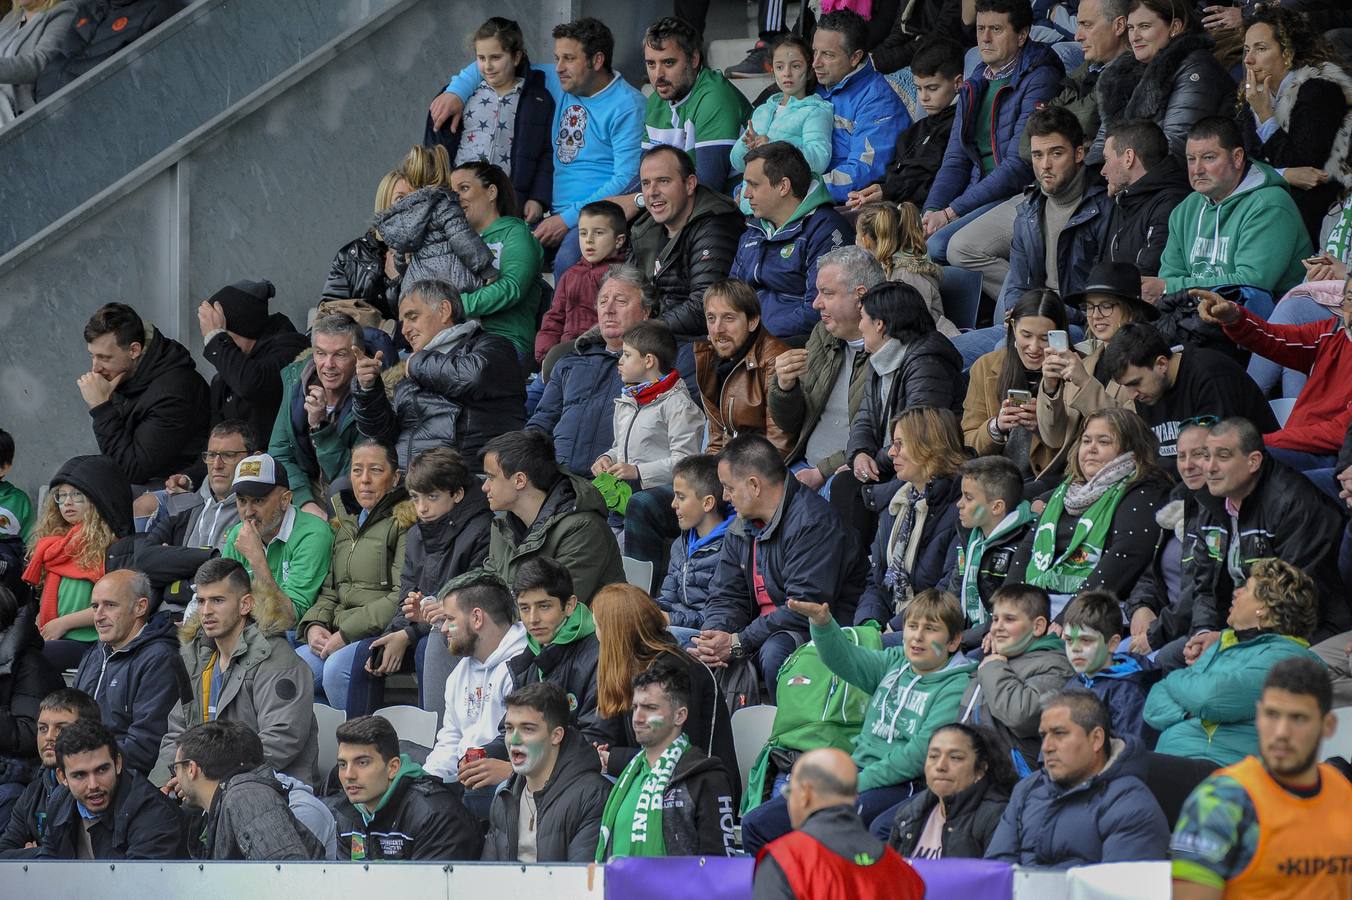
(798,411)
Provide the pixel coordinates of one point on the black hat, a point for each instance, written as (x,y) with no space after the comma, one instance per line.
(1116,279)
(245,304)
(106,486)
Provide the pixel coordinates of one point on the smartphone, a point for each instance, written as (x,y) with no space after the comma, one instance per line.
(1019,397)
(1058,340)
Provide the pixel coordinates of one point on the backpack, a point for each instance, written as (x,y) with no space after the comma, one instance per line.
(816,708)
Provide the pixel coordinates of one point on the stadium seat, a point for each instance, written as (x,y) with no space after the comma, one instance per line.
(960,291)
(412,724)
(328,719)
(639,573)
(1341,742)
(751,726)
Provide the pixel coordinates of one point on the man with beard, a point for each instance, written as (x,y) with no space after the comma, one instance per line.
(28,819)
(1218,848)
(284,552)
(550,809)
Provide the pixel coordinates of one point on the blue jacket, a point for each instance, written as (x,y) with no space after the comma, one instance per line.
(782,264)
(685,589)
(1123,687)
(1112,817)
(579,403)
(1078,246)
(928,568)
(137,687)
(869,116)
(806,551)
(959,184)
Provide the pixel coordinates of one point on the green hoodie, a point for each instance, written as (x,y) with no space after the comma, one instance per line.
(407,769)
(1253,237)
(905,710)
(508,306)
(574,628)
(817,195)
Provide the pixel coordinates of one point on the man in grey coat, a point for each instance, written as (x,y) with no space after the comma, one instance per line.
(243,669)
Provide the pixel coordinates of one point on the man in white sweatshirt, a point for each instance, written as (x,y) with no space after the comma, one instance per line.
(480,625)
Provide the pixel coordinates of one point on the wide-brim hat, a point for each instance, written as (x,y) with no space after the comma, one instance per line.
(1121,280)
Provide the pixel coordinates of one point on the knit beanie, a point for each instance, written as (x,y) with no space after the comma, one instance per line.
(245,304)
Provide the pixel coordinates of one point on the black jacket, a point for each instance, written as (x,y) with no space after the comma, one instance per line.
(249,387)
(1173,619)
(250,818)
(936,536)
(424,819)
(919,154)
(25,678)
(572,667)
(971,817)
(914,23)
(137,687)
(1284,516)
(358,273)
(461,390)
(837,828)
(101,29)
(681,267)
(996,560)
(569,808)
(142,824)
(28,817)
(155,424)
(532,142)
(698,808)
(1139,226)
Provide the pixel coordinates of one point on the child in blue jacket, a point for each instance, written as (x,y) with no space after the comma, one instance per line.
(1093,631)
(703,517)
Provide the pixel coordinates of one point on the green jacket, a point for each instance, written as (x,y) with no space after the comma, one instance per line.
(298,556)
(1253,237)
(906,708)
(797,411)
(311,460)
(510,306)
(571,528)
(361,593)
(1206,711)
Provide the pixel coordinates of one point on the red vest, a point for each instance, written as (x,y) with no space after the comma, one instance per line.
(815,873)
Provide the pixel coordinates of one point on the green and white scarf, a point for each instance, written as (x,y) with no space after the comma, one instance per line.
(1094,502)
(645,835)
(969,561)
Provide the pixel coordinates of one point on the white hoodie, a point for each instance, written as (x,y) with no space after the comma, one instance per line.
(475,695)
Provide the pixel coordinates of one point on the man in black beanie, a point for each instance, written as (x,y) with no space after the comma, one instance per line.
(249,347)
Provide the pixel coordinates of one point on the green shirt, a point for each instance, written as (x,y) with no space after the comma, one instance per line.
(298,556)
(16,512)
(981,128)
(508,306)
(622,843)
(711,115)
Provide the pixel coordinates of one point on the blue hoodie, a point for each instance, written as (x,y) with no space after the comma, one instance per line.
(1123,686)
(685,589)
(869,115)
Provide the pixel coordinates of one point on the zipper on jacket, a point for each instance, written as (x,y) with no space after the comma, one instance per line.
(727,420)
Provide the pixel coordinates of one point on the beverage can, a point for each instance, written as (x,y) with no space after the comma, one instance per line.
(474,754)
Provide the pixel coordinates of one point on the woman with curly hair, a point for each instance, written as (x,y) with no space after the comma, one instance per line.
(1206,711)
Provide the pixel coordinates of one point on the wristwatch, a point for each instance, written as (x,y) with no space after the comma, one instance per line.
(639,201)
(737,646)
(994,430)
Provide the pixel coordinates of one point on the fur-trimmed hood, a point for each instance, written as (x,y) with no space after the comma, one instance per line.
(1338,165)
(273,616)
(1130,89)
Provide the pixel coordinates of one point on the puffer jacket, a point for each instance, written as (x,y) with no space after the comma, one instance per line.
(155,423)
(805,552)
(698,808)
(868,116)
(657,435)
(1138,228)
(960,182)
(568,809)
(361,593)
(983,403)
(1182,85)
(572,312)
(740,404)
(781,263)
(804,122)
(25,678)
(685,588)
(936,519)
(1160,586)
(419,818)
(430,225)
(249,386)
(1122,687)
(251,819)
(266,687)
(1079,244)
(461,390)
(579,403)
(101,29)
(312,459)
(1284,516)
(929,374)
(1112,817)
(970,820)
(1206,710)
(1006,697)
(137,688)
(681,267)
(358,273)
(800,409)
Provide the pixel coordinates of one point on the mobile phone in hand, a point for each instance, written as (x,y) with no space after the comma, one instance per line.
(1058,340)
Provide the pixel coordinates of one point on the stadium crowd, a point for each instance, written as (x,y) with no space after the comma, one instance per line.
(1087,568)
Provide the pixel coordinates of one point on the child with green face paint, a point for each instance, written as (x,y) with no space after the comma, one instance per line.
(1093,633)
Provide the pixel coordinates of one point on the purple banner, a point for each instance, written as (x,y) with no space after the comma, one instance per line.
(708,878)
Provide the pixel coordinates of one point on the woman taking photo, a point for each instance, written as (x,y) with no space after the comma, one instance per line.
(361,593)
(967,785)
(916,529)
(1098,528)
(1000,415)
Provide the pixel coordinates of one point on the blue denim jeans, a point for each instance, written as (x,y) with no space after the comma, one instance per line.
(366,692)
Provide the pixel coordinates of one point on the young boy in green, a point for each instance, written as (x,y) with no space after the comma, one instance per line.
(16,518)
(1021,663)
(915,687)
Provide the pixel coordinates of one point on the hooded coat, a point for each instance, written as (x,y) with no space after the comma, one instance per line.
(248,386)
(578,405)
(1111,817)
(25,678)
(1006,697)
(781,262)
(868,115)
(137,688)
(430,225)
(1138,229)
(419,818)
(656,435)
(685,587)
(971,817)
(155,423)
(250,819)
(142,823)
(698,807)
(568,807)
(1122,687)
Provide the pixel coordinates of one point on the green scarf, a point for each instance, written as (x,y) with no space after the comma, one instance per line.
(969,560)
(574,628)
(1065,574)
(645,834)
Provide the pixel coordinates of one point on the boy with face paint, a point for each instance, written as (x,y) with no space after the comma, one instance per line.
(1093,633)
(1022,663)
(550,809)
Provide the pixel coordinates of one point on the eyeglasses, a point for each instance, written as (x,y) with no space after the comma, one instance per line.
(64,497)
(212,456)
(1100,309)
(173,766)
(1199,421)
(896,445)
